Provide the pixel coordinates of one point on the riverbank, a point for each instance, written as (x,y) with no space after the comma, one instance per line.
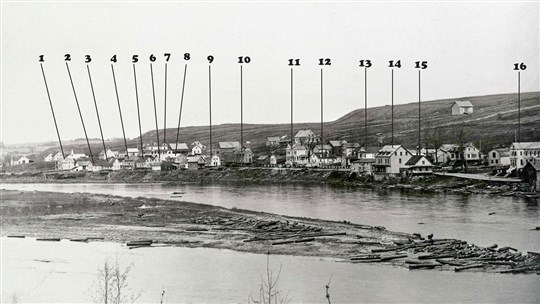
(248,175)
(87,217)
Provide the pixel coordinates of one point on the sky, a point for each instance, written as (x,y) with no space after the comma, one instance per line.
(470,48)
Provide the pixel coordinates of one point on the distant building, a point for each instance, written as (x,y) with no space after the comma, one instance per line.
(522,152)
(531,175)
(462,107)
(390,160)
(108,154)
(305,137)
(180,148)
(499,157)
(197,148)
(196,162)
(296,154)
(272,141)
(224,147)
(23,160)
(419,165)
(133,152)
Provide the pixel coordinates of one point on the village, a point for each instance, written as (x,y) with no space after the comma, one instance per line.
(518,162)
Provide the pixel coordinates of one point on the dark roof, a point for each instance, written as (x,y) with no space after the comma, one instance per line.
(415,159)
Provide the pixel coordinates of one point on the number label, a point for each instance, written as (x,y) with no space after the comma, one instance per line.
(187,56)
(325,61)
(365,63)
(243,59)
(519,66)
(210,58)
(420,65)
(167,56)
(152,58)
(67,57)
(135,58)
(394,64)
(113,59)
(41,58)
(87,58)
(294,62)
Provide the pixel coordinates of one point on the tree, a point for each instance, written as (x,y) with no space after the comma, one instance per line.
(112,284)
(268,292)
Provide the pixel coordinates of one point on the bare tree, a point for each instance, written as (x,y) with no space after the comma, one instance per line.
(461,137)
(268,292)
(112,284)
(327,288)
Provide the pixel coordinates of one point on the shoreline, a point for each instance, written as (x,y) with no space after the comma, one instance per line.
(121,219)
(257,176)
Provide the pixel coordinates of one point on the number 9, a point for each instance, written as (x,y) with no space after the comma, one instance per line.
(210,59)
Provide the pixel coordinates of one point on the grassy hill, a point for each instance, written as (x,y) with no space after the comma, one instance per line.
(493,123)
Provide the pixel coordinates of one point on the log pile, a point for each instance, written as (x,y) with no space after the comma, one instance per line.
(277,232)
(446,253)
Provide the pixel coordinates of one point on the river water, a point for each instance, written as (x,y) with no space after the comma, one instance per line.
(444,215)
(221,276)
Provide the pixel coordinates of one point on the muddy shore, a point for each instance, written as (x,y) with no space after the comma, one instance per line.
(92,217)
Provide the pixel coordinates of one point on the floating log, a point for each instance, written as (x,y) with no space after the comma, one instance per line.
(49,239)
(460,268)
(366,261)
(16,236)
(452,263)
(384,249)
(393,257)
(140,246)
(79,240)
(196,229)
(95,238)
(423,265)
(365,257)
(139,243)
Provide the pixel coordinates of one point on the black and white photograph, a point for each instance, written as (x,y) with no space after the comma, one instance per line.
(270,152)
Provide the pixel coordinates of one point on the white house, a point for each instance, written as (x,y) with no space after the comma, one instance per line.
(522,152)
(305,137)
(76,156)
(23,160)
(82,165)
(133,152)
(49,158)
(460,107)
(65,164)
(109,154)
(451,152)
(499,157)
(215,161)
(390,160)
(197,148)
(296,154)
(116,164)
(180,148)
(419,165)
(272,141)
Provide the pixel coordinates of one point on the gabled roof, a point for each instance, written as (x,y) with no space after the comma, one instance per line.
(526,145)
(350,145)
(229,145)
(180,146)
(335,143)
(413,161)
(323,147)
(133,150)
(463,103)
(273,138)
(389,149)
(101,163)
(305,133)
(297,147)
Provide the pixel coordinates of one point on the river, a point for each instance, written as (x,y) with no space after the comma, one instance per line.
(444,215)
(64,271)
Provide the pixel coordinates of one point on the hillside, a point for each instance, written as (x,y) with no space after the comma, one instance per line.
(493,123)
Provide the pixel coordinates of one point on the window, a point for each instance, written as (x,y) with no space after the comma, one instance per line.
(423,162)
(400,160)
(521,162)
(401,153)
(494,155)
